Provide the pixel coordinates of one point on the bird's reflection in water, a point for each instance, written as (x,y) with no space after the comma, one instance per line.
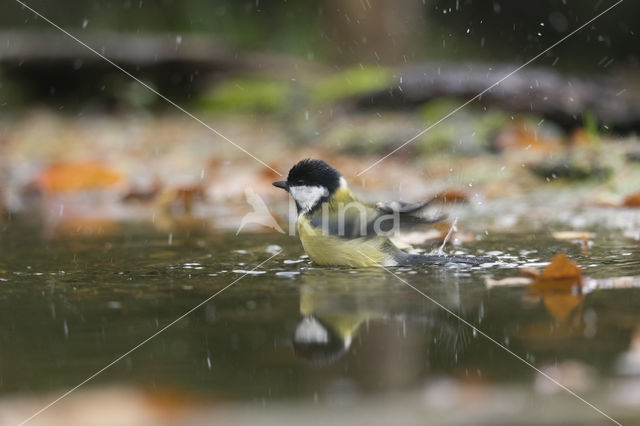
(331,316)
(334,310)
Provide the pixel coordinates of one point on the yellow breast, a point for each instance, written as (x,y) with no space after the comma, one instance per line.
(331,250)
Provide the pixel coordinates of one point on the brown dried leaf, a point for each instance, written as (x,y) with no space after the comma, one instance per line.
(561,268)
(557,285)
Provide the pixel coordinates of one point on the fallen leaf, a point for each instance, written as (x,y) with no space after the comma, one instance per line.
(561,268)
(632,200)
(69,177)
(559,285)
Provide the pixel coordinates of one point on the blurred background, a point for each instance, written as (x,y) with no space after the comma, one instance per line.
(285,79)
(130,156)
(153,38)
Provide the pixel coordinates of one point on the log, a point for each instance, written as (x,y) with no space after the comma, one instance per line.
(179,66)
(127,49)
(563,99)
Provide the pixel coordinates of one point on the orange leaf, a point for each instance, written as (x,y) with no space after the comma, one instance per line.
(632,200)
(561,268)
(562,275)
(68,177)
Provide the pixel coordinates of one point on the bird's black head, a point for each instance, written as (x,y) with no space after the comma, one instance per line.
(310,182)
(314,173)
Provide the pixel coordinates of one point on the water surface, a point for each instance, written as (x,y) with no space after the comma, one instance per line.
(73,300)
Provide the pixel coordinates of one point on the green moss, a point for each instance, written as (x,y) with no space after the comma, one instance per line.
(245,95)
(350,82)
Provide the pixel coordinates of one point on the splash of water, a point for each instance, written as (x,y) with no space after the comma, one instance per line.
(448,236)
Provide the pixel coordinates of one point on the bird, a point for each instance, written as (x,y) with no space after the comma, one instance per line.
(336,228)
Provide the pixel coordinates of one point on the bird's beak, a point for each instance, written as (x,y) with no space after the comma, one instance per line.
(281,184)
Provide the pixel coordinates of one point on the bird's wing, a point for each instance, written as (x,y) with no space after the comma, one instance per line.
(403,207)
(371,220)
(411,214)
(405,215)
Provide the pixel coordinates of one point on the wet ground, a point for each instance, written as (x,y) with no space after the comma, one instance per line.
(292,342)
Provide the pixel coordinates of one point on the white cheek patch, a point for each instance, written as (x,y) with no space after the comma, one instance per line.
(308,196)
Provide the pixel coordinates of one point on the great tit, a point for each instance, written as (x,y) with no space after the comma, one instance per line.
(336,228)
